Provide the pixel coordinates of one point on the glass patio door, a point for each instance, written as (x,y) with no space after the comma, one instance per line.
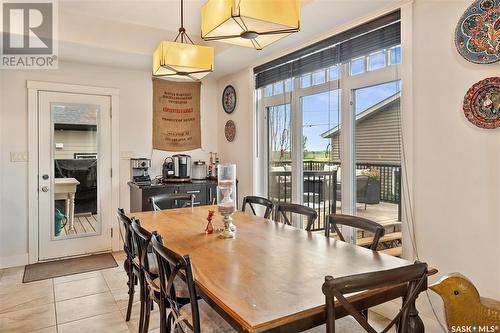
(74,174)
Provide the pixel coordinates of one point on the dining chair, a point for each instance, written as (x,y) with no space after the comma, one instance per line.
(171,200)
(130,264)
(413,277)
(334,220)
(283,208)
(254,200)
(196,316)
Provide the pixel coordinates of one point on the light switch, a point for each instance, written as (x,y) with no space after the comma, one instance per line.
(19,156)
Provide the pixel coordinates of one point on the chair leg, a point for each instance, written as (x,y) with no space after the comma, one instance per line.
(131,291)
(169,323)
(147,314)
(365,314)
(143,303)
(163,316)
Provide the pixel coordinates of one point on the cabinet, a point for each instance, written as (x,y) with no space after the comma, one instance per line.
(205,192)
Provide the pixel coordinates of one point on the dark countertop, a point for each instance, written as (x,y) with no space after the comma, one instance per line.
(190,183)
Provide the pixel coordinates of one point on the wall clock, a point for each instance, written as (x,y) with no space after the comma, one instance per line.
(477,36)
(229,99)
(230,130)
(482,103)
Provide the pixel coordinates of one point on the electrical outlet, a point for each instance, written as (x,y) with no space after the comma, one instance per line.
(19,156)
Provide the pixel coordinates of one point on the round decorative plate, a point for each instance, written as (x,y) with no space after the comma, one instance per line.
(477,35)
(482,103)
(230,130)
(229,99)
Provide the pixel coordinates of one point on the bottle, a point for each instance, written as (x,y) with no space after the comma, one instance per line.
(210,165)
(216,167)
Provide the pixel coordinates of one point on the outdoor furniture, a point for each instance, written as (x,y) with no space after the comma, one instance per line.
(65,189)
(171,200)
(367,190)
(254,200)
(252,280)
(356,222)
(412,277)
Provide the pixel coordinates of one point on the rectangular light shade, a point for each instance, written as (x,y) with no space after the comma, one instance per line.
(172,59)
(226,20)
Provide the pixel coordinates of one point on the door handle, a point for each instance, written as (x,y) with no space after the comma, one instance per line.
(45,188)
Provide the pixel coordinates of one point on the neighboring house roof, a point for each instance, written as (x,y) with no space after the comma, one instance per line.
(366,113)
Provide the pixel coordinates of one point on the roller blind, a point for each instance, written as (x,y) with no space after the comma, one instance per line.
(371,36)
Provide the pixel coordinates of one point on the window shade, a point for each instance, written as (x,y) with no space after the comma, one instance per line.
(374,35)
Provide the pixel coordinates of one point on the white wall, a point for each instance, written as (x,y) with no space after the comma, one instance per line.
(135,137)
(456,182)
(240,151)
(74,142)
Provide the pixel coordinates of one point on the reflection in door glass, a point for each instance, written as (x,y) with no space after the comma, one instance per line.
(75,157)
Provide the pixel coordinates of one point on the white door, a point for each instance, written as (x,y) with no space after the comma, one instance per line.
(74,135)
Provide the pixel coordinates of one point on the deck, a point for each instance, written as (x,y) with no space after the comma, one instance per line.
(84,224)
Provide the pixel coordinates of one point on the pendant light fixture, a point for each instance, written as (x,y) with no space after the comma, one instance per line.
(182,59)
(250,23)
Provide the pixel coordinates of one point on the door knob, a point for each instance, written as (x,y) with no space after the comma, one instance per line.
(45,188)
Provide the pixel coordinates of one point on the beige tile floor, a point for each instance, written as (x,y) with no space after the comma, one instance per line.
(80,303)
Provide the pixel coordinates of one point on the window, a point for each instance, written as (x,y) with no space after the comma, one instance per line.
(376,60)
(305,80)
(268,90)
(278,88)
(334,73)
(288,85)
(318,77)
(395,55)
(358,66)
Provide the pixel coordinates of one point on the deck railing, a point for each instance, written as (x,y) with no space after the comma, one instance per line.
(321,185)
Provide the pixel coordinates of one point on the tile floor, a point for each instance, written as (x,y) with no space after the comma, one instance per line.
(80,303)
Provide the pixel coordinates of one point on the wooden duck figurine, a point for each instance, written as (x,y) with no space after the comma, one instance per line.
(463,305)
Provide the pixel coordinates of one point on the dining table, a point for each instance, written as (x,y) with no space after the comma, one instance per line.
(269,277)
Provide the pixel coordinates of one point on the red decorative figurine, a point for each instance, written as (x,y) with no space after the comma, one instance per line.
(210,227)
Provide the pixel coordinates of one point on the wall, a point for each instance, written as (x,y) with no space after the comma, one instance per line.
(135,137)
(456,183)
(240,151)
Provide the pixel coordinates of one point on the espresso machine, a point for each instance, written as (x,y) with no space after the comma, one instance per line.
(139,171)
(177,168)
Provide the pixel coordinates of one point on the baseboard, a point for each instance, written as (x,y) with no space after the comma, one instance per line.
(13,261)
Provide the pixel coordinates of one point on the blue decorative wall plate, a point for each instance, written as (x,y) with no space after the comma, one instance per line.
(477,35)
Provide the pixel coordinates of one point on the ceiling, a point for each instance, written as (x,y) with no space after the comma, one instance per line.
(126,32)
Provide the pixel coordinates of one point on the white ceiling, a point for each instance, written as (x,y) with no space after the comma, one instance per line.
(126,32)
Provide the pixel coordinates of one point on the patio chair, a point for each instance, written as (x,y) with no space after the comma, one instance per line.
(254,200)
(356,222)
(283,208)
(412,277)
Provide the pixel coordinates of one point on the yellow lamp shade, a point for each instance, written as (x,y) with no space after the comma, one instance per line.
(182,60)
(250,23)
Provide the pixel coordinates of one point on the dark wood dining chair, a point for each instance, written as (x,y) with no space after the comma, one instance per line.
(196,316)
(141,239)
(334,220)
(254,200)
(412,277)
(284,209)
(130,264)
(171,200)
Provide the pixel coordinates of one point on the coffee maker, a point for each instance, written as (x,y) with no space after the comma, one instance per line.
(139,171)
(177,167)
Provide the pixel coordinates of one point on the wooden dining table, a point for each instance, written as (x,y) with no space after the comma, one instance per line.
(269,277)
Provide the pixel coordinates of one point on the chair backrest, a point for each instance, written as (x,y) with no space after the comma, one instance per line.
(171,200)
(170,264)
(413,276)
(125,233)
(254,200)
(141,239)
(334,220)
(282,209)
